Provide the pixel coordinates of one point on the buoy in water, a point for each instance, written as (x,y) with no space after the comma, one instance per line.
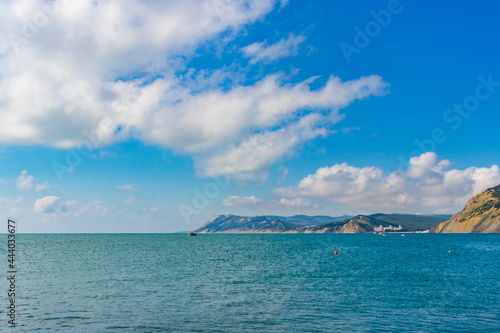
(336,252)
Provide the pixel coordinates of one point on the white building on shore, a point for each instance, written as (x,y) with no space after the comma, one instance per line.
(389,228)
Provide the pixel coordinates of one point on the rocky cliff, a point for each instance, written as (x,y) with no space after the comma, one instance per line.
(480,215)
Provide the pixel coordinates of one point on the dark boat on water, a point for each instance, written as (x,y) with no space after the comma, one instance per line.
(192,234)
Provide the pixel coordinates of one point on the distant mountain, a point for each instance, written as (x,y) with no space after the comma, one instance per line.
(480,215)
(314,224)
(305,220)
(411,222)
(243,224)
(441,216)
(267,223)
(357,224)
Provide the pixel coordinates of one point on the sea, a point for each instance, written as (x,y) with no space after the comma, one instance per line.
(254,283)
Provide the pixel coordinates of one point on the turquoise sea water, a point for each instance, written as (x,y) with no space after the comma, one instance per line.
(256,283)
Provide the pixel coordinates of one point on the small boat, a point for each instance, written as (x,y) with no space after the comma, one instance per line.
(192,234)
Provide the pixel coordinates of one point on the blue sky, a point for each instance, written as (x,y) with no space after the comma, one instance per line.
(130,116)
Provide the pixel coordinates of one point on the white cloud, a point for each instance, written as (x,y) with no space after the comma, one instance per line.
(25,181)
(103,153)
(41,187)
(235,200)
(252,157)
(57,89)
(93,208)
(425,183)
(284,173)
(146,213)
(297,202)
(264,106)
(52,205)
(12,206)
(286,47)
(46,205)
(28,182)
(52,91)
(129,200)
(349,130)
(126,187)
(212,118)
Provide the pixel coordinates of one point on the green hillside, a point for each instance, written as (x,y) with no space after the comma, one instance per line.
(409,221)
(305,220)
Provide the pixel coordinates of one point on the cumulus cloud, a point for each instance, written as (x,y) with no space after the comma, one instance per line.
(54,92)
(25,181)
(425,183)
(126,187)
(297,202)
(47,205)
(263,52)
(251,158)
(77,91)
(276,113)
(58,90)
(52,205)
(235,200)
(29,182)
